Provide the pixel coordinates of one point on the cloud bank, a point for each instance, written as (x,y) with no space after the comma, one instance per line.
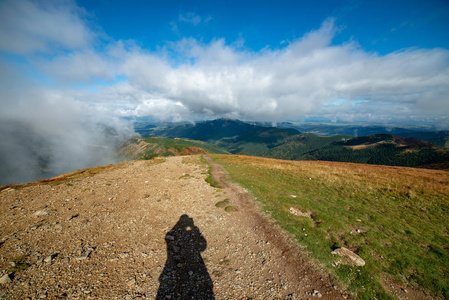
(65,84)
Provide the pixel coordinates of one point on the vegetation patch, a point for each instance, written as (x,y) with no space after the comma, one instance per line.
(230,208)
(222,203)
(18,264)
(394,218)
(151,147)
(210,179)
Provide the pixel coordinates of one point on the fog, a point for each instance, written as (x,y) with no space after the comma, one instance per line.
(43,137)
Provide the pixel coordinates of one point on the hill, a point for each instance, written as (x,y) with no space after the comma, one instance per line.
(148,148)
(442,141)
(239,137)
(384,149)
(105,232)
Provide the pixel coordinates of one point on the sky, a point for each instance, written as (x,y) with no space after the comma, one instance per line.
(80,67)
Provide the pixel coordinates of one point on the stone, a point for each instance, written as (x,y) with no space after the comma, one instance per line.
(58,227)
(169,237)
(298,212)
(5,279)
(43,212)
(350,256)
(83,256)
(48,259)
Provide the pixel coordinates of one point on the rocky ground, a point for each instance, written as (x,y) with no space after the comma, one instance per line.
(148,229)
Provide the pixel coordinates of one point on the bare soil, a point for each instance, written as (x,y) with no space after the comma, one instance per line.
(149,230)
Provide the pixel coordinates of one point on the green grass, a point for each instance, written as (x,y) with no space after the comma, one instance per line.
(210,179)
(230,208)
(401,214)
(19,264)
(222,203)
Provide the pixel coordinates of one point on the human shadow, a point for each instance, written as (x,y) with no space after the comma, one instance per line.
(185,275)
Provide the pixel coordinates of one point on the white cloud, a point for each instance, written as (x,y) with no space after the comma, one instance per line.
(307,76)
(191,18)
(29,26)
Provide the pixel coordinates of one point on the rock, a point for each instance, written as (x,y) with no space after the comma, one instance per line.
(5,279)
(58,227)
(350,256)
(83,255)
(48,259)
(43,212)
(169,237)
(298,212)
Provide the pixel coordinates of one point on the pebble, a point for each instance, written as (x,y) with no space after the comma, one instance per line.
(48,259)
(5,279)
(43,212)
(83,256)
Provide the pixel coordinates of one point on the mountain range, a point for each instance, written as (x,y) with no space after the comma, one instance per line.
(238,137)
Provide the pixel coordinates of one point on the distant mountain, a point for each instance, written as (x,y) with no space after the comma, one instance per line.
(440,141)
(385,149)
(233,135)
(239,137)
(298,147)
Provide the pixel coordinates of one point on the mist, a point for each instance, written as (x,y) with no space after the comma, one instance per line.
(41,139)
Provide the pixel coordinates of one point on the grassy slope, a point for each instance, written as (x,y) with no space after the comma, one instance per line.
(151,147)
(401,214)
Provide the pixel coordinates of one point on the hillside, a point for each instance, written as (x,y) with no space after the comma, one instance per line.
(299,146)
(151,229)
(238,137)
(384,149)
(148,148)
(394,218)
(106,232)
(440,141)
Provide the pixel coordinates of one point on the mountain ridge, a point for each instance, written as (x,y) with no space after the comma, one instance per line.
(238,137)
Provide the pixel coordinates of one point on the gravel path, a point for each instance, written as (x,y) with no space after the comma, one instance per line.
(147,229)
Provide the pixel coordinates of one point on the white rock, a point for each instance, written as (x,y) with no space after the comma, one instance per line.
(43,212)
(5,279)
(350,256)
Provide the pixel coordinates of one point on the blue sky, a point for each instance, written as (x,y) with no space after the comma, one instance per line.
(380,26)
(384,62)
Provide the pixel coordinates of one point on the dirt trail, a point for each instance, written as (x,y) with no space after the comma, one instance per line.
(148,230)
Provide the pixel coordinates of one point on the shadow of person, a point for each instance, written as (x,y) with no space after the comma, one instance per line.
(185,275)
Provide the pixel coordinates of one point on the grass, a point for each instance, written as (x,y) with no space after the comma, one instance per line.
(210,179)
(19,264)
(230,208)
(222,203)
(401,215)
